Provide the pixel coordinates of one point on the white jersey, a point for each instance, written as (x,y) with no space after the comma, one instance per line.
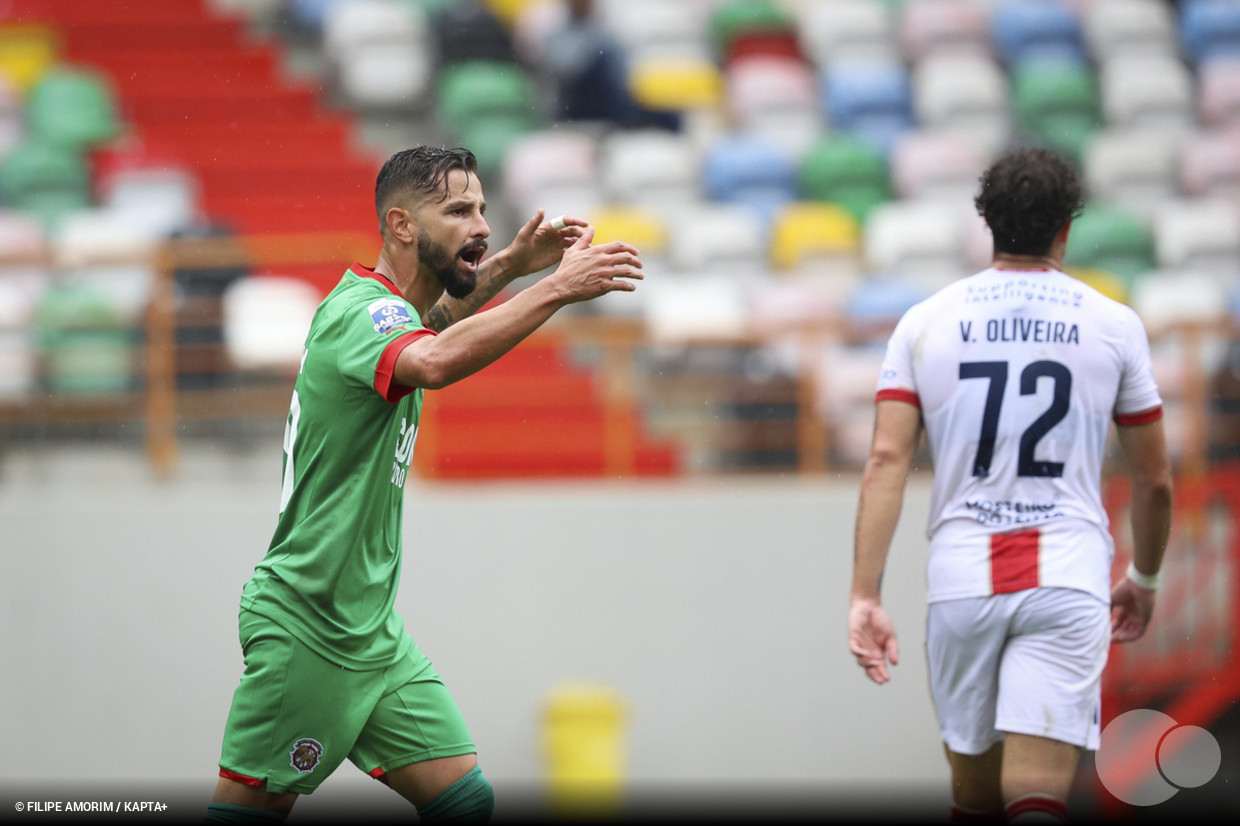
(1018,375)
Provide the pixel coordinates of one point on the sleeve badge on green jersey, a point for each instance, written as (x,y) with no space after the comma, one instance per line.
(388,313)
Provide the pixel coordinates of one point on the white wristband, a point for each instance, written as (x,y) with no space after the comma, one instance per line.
(1149,582)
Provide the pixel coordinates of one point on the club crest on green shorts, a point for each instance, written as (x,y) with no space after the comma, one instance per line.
(305,754)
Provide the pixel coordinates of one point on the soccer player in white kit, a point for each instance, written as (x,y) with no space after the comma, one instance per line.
(1016,374)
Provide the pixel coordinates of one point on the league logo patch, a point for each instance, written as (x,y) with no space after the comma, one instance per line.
(388,313)
(305,755)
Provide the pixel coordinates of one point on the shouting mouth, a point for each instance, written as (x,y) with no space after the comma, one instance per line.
(471,256)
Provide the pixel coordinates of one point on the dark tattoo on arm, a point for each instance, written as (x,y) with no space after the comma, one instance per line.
(492,277)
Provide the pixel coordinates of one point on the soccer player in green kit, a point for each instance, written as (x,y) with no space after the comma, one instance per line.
(330,671)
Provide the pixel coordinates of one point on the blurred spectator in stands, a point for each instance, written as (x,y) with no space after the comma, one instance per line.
(467,30)
(1224,407)
(588,67)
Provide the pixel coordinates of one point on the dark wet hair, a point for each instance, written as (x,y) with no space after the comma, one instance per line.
(421,169)
(1026,197)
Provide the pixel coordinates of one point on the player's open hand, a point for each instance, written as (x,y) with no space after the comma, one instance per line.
(1131,609)
(588,272)
(872,639)
(541,244)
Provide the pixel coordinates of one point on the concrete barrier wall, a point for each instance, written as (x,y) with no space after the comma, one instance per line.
(716,608)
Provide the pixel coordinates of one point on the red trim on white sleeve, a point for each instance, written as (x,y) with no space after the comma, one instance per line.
(385,378)
(1144,417)
(895,394)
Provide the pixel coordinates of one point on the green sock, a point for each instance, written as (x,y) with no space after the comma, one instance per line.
(468,800)
(228,813)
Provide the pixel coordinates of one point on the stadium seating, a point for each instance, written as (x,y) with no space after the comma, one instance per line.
(1129,27)
(486,105)
(921,240)
(964,93)
(928,28)
(775,98)
(12,115)
(44,181)
(664,83)
(655,28)
(815,237)
(1037,30)
(848,171)
(1113,239)
(1218,93)
(72,108)
(749,171)
(266,319)
(1164,298)
(1147,91)
(1107,283)
(785,110)
(935,165)
(1210,164)
(872,100)
(1209,29)
(847,30)
(1056,104)
(553,169)
(465,31)
(1133,167)
(1201,236)
(696,306)
(651,168)
(642,228)
(85,344)
(744,27)
(381,53)
(718,238)
(27,52)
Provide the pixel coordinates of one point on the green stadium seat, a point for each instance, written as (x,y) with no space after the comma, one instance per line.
(848,171)
(86,347)
(486,105)
(1056,104)
(772,28)
(44,181)
(1112,239)
(74,108)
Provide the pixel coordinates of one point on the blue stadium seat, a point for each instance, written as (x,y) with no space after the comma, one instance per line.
(751,171)
(1037,29)
(1210,29)
(869,99)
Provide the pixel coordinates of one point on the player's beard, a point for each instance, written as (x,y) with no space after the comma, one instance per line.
(457,281)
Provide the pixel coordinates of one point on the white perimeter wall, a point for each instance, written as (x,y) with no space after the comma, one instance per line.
(716,608)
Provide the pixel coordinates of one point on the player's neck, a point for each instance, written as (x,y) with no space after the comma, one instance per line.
(1007,261)
(402,270)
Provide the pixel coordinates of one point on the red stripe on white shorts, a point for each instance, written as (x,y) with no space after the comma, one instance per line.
(1014,561)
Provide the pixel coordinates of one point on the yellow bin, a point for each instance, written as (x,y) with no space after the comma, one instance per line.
(585,749)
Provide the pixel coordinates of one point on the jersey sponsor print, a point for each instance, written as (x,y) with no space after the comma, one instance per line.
(1018,376)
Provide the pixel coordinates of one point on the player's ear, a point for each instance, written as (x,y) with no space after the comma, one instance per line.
(400,225)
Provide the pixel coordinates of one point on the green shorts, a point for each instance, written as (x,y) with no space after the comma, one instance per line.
(295,716)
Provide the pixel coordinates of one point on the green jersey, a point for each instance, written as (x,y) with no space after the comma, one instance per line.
(330,574)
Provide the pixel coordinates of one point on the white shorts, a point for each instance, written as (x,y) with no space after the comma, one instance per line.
(1028,662)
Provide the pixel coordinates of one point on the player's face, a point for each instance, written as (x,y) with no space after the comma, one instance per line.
(452,234)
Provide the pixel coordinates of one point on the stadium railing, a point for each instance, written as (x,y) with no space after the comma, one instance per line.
(714,398)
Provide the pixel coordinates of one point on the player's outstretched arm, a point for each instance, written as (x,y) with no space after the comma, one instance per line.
(871,634)
(537,245)
(586,272)
(1144,448)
